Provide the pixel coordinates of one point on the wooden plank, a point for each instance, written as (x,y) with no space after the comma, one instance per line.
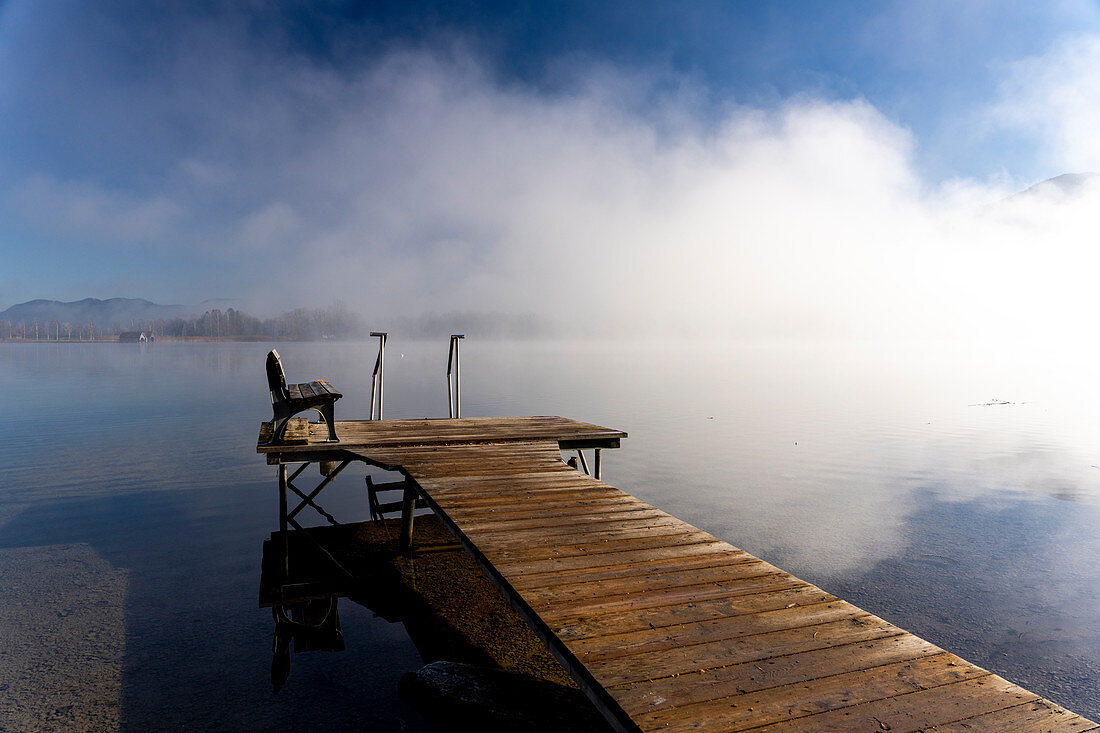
(593,542)
(475,430)
(544,483)
(726,652)
(663,638)
(531,569)
(519,481)
(738,679)
(574,503)
(668,537)
(629,566)
(606,531)
(434,431)
(503,475)
(733,604)
(488,467)
(805,699)
(609,588)
(562,496)
(1037,716)
(915,711)
(433,462)
(556,519)
(529,501)
(526,456)
(558,612)
(297,431)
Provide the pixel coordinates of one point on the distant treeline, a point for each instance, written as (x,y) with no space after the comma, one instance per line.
(300,324)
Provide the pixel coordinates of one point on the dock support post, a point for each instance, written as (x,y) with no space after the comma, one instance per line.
(408,506)
(282,521)
(598,473)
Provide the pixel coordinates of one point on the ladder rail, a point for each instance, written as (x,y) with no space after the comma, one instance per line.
(377,384)
(454,383)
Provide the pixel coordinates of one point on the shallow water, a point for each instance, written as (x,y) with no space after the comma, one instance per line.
(953,491)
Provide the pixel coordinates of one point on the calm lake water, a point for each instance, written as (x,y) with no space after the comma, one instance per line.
(953,491)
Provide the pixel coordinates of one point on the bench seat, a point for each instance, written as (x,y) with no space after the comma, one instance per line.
(319,390)
(287,400)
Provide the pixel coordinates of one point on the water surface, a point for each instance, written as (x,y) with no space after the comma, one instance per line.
(953,491)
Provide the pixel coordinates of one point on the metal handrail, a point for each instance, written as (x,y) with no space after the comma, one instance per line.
(454,390)
(376,380)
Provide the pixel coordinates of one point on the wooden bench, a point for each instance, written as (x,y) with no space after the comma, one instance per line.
(288,400)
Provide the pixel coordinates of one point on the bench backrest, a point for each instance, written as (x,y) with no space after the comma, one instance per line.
(276,378)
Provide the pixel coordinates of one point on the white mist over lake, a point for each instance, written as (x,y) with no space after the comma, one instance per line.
(415,181)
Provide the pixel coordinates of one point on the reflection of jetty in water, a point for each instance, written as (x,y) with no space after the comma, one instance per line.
(661,624)
(486,668)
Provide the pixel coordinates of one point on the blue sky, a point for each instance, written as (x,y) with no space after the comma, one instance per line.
(457,156)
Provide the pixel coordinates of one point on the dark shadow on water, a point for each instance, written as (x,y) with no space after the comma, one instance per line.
(486,669)
(972,578)
(197,647)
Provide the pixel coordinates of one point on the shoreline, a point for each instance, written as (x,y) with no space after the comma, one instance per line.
(165,339)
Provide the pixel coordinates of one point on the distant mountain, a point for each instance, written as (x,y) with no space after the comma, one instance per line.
(1067,184)
(114,313)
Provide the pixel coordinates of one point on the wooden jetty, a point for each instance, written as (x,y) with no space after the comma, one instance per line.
(662,625)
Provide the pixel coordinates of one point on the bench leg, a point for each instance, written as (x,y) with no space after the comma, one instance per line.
(278,428)
(408,506)
(327,413)
(283,536)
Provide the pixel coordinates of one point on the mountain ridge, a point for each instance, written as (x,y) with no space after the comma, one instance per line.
(109,313)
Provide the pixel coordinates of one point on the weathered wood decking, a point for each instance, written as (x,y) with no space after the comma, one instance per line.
(664,626)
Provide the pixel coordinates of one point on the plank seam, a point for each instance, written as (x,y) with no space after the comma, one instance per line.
(657,627)
(765,591)
(856,704)
(684,586)
(710,541)
(900,632)
(920,657)
(673,531)
(578,579)
(712,640)
(1054,710)
(914,692)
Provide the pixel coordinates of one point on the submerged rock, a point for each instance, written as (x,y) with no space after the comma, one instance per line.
(464,697)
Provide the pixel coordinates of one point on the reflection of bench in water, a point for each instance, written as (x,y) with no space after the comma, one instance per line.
(288,400)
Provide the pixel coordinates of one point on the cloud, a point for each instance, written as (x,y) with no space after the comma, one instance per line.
(806,220)
(274,225)
(92,213)
(415,181)
(1055,98)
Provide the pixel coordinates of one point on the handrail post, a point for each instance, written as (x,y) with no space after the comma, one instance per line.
(378,376)
(454,387)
